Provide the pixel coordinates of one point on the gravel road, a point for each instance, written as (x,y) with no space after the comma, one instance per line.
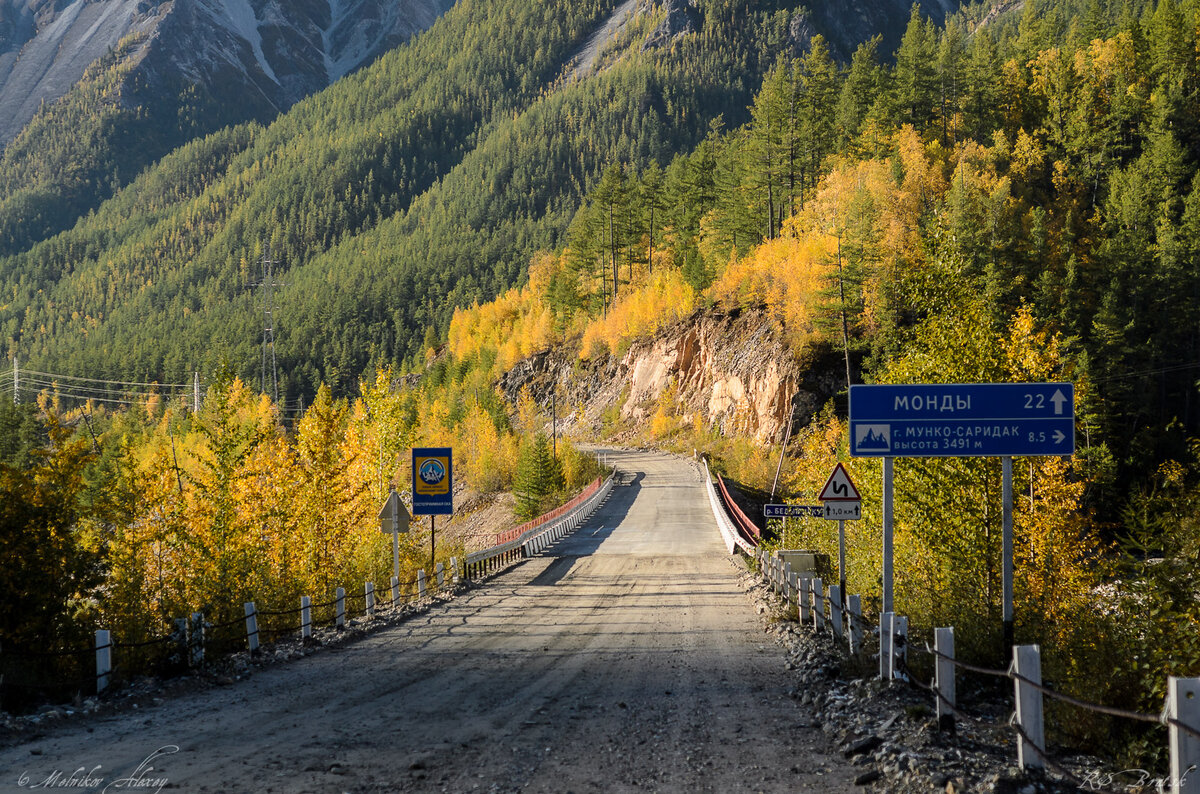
(625,658)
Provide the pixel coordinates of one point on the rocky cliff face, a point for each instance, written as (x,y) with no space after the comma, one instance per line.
(731,371)
(272,51)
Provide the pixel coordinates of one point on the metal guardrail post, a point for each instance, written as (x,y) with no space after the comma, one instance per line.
(103,659)
(196,639)
(1027,663)
(900,647)
(341,608)
(305,618)
(856,624)
(943,643)
(818,603)
(251,627)
(369,597)
(805,598)
(421,583)
(885,645)
(1183,706)
(835,609)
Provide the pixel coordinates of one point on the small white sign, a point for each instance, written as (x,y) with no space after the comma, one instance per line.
(843,511)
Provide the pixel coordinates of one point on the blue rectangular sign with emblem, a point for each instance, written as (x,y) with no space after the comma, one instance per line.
(962,420)
(433,481)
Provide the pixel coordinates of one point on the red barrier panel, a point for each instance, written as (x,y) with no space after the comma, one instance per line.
(748,527)
(516,532)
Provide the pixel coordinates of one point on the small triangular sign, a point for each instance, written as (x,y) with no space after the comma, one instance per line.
(839,487)
(394,516)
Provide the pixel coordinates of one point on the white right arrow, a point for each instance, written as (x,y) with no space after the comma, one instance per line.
(1058,399)
(1058,436)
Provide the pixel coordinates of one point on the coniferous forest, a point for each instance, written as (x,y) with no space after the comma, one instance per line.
(1001,198)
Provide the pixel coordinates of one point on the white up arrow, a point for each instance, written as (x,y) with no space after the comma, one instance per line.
(1058,399)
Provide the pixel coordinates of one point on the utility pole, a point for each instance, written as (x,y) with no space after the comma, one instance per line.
(268,285)
(16,381)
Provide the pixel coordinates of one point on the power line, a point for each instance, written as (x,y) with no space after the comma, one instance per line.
(79,387)
(59,376)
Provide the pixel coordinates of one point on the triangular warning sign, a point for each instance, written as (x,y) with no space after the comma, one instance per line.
(839,487)
(394,517)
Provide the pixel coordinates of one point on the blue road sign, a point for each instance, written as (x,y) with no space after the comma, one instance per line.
(794,511)
(962,420)
(433,481)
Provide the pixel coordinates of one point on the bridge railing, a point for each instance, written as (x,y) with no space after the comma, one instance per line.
(532,537)
(729,531)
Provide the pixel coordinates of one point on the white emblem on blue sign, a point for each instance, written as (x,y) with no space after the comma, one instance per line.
(432,472)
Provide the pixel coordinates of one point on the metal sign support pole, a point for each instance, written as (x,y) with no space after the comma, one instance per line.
(842,560)
(1007,552)
(432,542)
(395,549)
(887,535)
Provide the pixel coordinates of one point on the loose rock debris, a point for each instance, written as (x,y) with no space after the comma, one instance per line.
(890,730)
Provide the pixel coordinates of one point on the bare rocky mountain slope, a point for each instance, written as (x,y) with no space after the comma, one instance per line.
(257,51)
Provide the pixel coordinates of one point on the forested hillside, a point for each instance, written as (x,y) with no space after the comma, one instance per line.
(423,182)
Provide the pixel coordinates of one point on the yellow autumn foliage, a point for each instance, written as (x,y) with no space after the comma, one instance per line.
(640,311)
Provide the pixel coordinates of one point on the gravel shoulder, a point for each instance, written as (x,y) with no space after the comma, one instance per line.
(625,658)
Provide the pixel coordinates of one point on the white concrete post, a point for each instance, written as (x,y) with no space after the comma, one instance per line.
(341,608)
(818,603)
(395,592)
(103,659)
(900,647)
(454,571)
(1183,706)
(305,617)
(794,587)
(885,646)
(440,572)
(196,639)
(835,609)
(805,585)
(1027,662)
(943,643)
(251,627)
(855,633)
(369,593)
(421,583)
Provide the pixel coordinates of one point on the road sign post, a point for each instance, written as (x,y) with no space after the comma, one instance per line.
(394,518)
(842,502)
(433,488)
(1003,420)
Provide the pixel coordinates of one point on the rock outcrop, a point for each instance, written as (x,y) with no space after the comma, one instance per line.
(731,371)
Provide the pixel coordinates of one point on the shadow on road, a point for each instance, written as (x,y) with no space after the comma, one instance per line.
(587,539)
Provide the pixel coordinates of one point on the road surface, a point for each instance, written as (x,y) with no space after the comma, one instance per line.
(626,658)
